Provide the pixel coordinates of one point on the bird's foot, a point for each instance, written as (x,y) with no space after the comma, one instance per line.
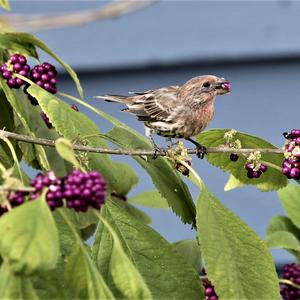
(200,151)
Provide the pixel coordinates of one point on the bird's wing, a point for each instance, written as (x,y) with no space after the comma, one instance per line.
(155,105)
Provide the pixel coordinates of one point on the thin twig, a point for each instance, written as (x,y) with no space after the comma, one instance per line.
(132,152)
(46,22)
(17,189)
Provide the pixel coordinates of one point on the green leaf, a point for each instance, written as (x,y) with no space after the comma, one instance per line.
(283,239)
(21,38)
(15,99)
(164,270)
(14,287)
(190,251)
(237,261)
(51,284)
(74,125)
(5,4)
(83,278)
(273,179)
(65,150)
(29,238)
(125,275)
(81,274)
(151,199)
(135,212)
(127,178)
(232,183)
(290,232)
(290,200)
(279,223)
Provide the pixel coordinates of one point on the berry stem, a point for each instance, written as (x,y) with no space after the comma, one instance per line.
(289,282)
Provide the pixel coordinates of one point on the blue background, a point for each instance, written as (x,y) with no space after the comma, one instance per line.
(253,44)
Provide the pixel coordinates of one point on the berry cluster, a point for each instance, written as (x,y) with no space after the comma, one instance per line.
(292,273)
(255,171)
(209,292)
(82,190)
(183,169)
(15,199)
(44,75)
(16,64)
(55,189)
(291,163)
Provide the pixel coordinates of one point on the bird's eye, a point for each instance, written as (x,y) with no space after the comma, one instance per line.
(206,84)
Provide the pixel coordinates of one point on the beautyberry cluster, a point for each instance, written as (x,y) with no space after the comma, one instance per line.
(15,199)
(55,189)
(255,171)
(291,163)
(292,273)
(183,169)
(82,190)
(209,292)
(16,64)
(43,75)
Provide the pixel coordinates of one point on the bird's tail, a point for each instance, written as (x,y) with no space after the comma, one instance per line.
(117,98)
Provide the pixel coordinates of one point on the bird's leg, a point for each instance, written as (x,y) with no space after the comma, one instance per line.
(201,150)
(157,150)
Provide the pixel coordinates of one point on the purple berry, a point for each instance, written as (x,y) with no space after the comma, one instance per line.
(263,168)
(22,60)
(250,174)
(7,75)
(35,76)
(234,157)
(17,67)
(45,78)
(11,83)
(256,174)
(3,68)
(14,59)
(248,166)
(53,81)
(294,173)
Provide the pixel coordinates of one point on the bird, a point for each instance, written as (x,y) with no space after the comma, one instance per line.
(176,111)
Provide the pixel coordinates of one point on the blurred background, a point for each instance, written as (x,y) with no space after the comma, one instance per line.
(253,44)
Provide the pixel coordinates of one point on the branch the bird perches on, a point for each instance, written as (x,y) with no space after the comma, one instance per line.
(132,152)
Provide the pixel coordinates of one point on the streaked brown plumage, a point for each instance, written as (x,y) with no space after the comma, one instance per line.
(176,111)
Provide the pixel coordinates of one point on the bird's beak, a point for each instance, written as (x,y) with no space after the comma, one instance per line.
(223,87)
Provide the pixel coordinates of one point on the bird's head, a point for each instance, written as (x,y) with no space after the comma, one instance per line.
(209,84)
(204,89)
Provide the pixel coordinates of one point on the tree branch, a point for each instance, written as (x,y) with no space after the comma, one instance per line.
(132,152)
(46,22)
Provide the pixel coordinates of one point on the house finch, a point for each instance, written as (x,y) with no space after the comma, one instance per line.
(176,111)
